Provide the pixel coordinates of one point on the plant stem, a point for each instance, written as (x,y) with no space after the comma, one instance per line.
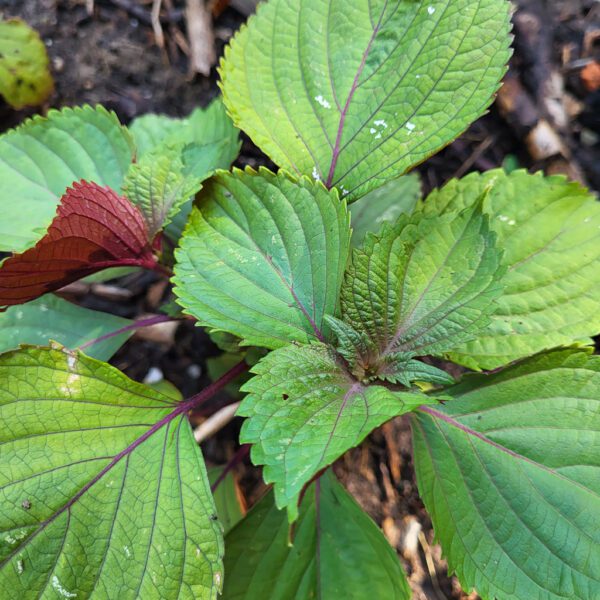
(162,270)
(133,326)
(238,457)
(213,388)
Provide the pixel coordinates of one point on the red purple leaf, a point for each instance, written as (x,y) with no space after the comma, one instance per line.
(94,229)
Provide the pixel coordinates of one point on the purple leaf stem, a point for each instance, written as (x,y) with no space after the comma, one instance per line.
(131,327)
(237,458)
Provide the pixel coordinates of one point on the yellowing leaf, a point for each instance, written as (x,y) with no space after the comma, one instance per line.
(25,78)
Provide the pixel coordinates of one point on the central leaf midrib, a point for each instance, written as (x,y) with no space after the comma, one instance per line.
(129,449)
(353,89)
(449,420)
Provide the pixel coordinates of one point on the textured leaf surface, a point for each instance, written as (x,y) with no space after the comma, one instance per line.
(423,285)
(358,351)
(510,472)
(52,318)
(207,141)
(159,185)
(103,490)
(337,552)
(357,93)
(209,128)
(549,230)
(263,257)
(400,370)
(94,228)
(305,411)
(40,159)
(25,78)
(384,205)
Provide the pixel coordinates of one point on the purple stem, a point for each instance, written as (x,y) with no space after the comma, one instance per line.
(179,409)
(238,457)
(131,327)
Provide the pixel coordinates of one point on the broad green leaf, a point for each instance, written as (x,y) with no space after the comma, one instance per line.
(230,509)
(509,470)
(304,411)
(384,205)
(53,319)
(159,185)
(337,552)
(103,490)
(357,93)
(25,78)
(549,230)
(207,140)
(151,130)
(166,388)
(42,157)
(263,257)
(422,286)
(210,129)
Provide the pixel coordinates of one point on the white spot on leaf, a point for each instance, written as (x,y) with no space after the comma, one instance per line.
(61,590)
(410,126)
(127,551)
(324,103)
(315,174)
(431,10)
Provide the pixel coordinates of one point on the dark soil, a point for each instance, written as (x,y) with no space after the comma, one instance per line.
(110,57)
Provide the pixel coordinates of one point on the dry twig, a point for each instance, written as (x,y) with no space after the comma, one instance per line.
(201,37)
(159,36)
(215,422)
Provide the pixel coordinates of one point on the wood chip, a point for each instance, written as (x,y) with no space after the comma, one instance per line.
(201,37)
(590,76)
(543,142)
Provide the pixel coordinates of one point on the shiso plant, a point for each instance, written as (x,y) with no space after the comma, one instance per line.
(349,287)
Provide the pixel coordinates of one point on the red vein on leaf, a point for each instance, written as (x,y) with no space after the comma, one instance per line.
(180,409)
(436,414)
(94,229)
(342,123)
